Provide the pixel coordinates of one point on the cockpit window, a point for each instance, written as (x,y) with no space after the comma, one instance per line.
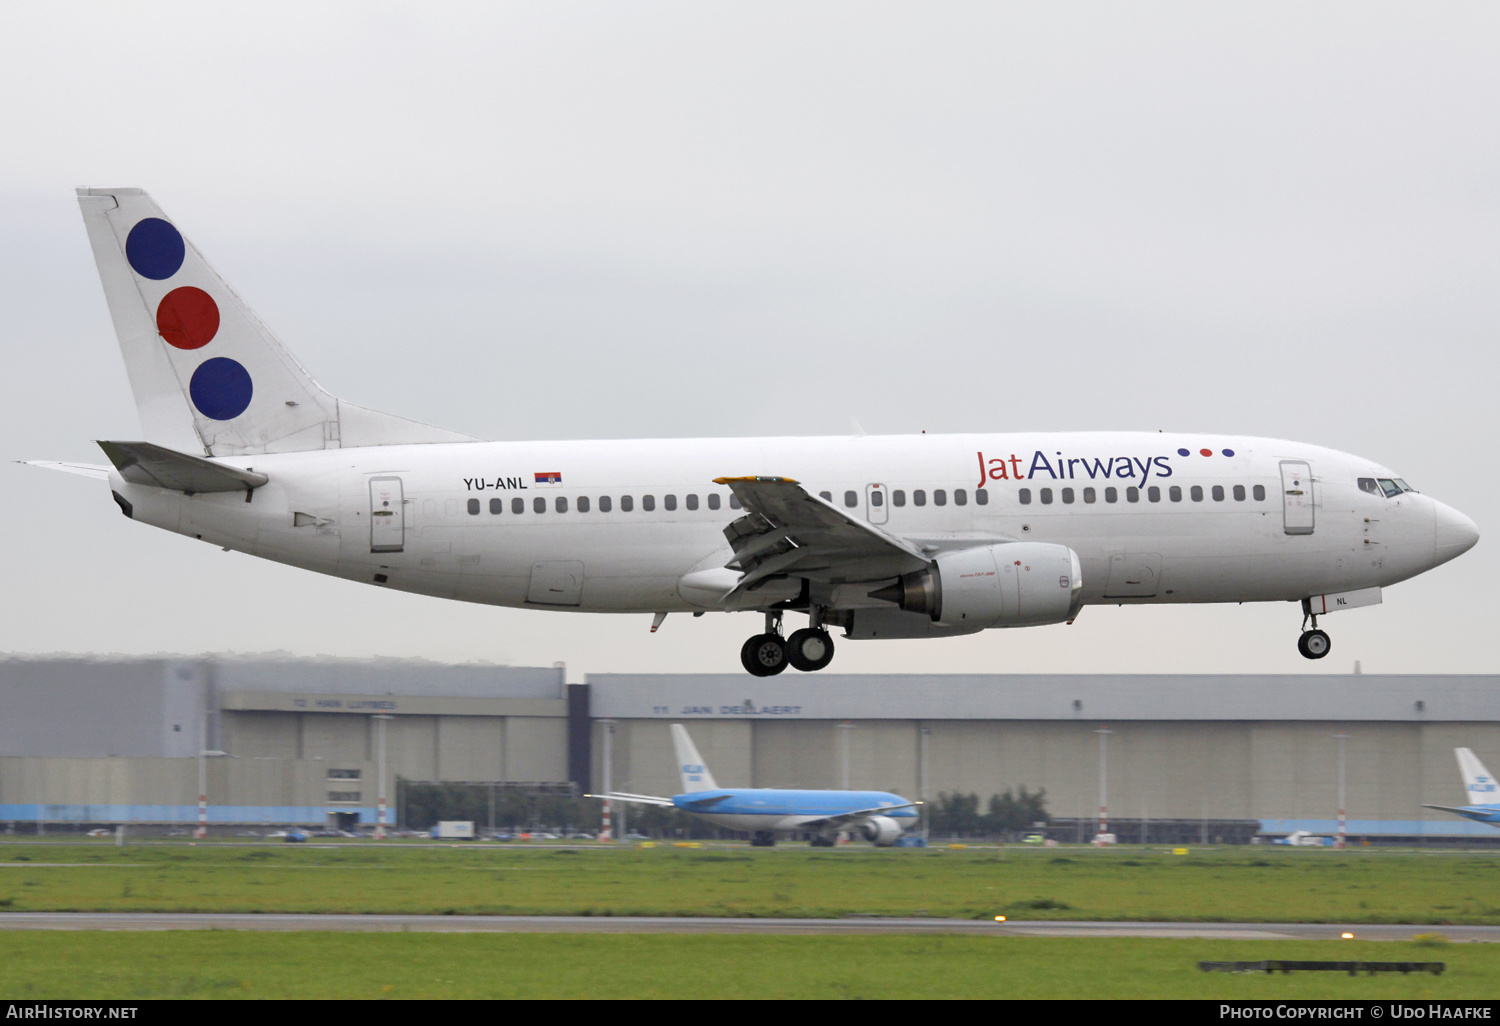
(1367,484)
(1404,486)
(1389,487)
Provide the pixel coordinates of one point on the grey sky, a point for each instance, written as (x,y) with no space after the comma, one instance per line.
(619,220)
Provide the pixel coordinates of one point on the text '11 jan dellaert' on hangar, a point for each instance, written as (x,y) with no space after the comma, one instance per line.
(117,741)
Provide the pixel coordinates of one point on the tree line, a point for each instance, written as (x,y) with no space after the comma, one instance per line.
(1006,815)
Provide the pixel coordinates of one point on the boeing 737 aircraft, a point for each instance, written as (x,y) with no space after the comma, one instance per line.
(916,536)
(1481,787)
(877,816)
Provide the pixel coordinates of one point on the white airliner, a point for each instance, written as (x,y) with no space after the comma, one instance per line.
(1483,792)
(915,536)
(767,813)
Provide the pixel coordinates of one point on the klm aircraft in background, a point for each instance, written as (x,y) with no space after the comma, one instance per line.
(1480,785)
(878,816)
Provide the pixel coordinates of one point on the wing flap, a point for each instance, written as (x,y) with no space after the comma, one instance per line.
(789,532)
(147,464)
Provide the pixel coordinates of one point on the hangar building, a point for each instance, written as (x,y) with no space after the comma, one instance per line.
(101,741)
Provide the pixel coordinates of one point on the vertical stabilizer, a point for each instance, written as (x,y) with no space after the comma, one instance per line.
(207,375)
(1478,783)
(695,775)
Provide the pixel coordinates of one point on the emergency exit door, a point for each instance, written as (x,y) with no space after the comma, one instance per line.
(387,515)
(1297,496)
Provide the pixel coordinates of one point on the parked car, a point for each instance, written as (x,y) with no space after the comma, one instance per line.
(101,832)
(296,836)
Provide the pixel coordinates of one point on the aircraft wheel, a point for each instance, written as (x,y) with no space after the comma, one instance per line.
(1314,644)
(764,655)
(809,649)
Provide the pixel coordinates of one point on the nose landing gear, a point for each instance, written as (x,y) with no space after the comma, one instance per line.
(808,649)
(1313,644)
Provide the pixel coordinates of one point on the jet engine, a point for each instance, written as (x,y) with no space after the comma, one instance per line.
(881,831)
(1019,584)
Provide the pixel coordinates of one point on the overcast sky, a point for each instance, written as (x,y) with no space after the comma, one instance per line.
(608,220)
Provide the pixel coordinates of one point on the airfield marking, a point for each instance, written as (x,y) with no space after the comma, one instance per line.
(663,924)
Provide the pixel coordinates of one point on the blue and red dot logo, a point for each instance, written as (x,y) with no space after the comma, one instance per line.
(188,318)
(1205,452)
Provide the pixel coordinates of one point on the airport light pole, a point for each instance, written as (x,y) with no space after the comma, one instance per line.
(203,755)
(923,739)
(844,729)
(380,719)
(1103,733)
(605,831)
(1342,737)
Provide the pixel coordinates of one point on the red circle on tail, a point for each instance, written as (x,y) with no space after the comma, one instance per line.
(187,318)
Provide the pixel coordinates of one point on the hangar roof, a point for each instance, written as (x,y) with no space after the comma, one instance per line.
(1083,697)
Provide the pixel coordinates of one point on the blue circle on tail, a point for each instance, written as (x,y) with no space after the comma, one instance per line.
(155,249)
(221,388)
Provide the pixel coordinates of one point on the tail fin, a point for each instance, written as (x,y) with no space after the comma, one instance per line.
(1478,783)
(207,374)
(695,775)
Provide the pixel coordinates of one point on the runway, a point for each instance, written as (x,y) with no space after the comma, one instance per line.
(644,924)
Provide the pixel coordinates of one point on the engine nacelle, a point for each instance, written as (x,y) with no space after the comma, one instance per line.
(881,831)
(1020,584)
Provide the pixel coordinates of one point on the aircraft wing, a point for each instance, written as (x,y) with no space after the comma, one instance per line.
(845,818)
(1470,812)
(639,799)
(705,804)
(786,531)
(148,464)
(94,470)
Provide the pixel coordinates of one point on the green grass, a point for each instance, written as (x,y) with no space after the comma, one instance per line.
(124,966)
(1360,886)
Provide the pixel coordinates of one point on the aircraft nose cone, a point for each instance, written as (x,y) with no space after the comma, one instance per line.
(1453,533)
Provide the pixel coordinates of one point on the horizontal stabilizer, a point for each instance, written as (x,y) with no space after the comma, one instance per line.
(147,464)
(94,470)
(639,799)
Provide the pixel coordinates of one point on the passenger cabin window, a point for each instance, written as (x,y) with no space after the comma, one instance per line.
(560,504)
(605,504)
(826,496)
(939,497)
(648,503)
(1239,493)
(981,497)
(1089,495)
(734,502)
(1046,496)
(960,497)
(877,498)
(1132,494)
(1025,496)
(691,501)
(1111,494)
(473,507)
(1197,493)
(1154,494)
(713,500)
(1174,493)
(583,504)
(851,499)
(919,498)
(497,506)
(1218,493)
(539,504)
(1067,495)
(898,498)
(518,505)
(1259,491)
(669,502)
(627,503)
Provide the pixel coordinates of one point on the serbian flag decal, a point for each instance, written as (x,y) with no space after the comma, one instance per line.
(551,477)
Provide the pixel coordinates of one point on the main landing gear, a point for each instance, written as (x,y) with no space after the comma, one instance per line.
(1313,644)
(808,649)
